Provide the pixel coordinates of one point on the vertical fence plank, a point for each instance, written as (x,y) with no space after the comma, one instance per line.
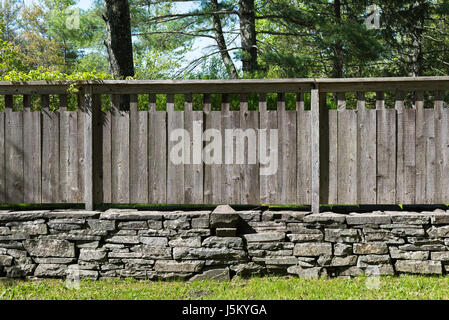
(68,164)
(138,156)
(107,160)
(287,153)
(405,173)
(386,155)
(333,156)
(441,149)
(213,157)
(119,152)
(347,154)
(50,153)
(318,111)
(13,153)
(425,151)
(80,150)
(193,171)
(366,154)
(88,150)
(231,170)
(157,156)
(2,159)
(97,149)
(32,152)
(249,173)
(268,182)
(176,154)
(304,158)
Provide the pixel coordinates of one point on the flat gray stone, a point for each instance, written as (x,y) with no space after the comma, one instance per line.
(221,274)
(281,260)
(367,218)
(188,242)
(373,259)
(51,270)
(342,235)
(308,273)
(396,253)
(325,218)
(312,249)
(208,253)
(265,236)
(308,237)
(5,260)
(440,256)
(50,248)
(133,225)
(342,249)
(370,248)
(93,254)
(155,241)
(419,267)
(114,214)
(220,242)
(176,266)
(245,270)
(124,239)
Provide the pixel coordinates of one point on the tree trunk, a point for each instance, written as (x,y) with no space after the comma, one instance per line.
(219,38)
(337,68)
(118,38)
(248,35)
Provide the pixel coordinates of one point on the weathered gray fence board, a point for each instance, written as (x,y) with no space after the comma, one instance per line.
(50,153)
(347,157)
(249,170)
(32,153)
(212,168)
(287,157)
(269,183)
(386,156)
(138,153)
(97,149)
(406,165)
(80,150)
(231,171)
(107,161)
(176,158)
(13,153)
(2,159)
(366,154)
(193,172)
(333,157)
(68,165)
(157,157)
(304,157)
(120,153)
(442,153)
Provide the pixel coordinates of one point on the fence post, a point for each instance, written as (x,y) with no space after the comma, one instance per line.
(320,149)
(315,139)
(88,149)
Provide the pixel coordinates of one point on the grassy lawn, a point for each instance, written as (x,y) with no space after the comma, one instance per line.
(403,287)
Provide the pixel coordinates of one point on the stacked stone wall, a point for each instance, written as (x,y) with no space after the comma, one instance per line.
(220,244)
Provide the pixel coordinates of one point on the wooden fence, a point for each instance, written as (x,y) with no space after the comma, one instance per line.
(385,142)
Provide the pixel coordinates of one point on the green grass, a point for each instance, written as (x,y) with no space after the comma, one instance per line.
(402,287)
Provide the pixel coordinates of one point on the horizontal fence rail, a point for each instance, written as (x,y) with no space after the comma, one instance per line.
(292,141)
